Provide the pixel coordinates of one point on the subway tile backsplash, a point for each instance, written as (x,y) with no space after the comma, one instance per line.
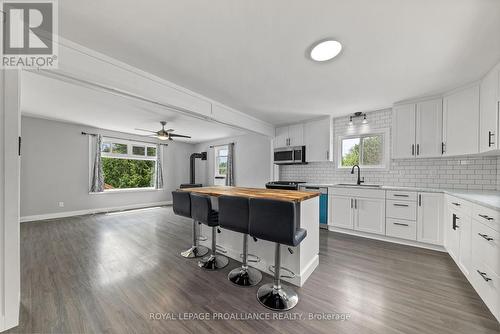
(480,172)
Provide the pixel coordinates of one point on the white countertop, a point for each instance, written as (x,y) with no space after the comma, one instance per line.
(487,198)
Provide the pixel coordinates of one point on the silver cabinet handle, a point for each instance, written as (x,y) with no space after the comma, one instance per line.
(404,205)
(418,149)
(455,204)
(351,203)
(483,275)
(400,195)
(419,199)
(355,203)
(400,224)
(485,236)
(486,217)
(413,149)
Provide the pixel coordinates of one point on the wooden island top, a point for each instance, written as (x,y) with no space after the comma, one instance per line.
(277,194)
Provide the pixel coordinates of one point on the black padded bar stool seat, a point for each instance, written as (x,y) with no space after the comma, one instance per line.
(201,210)
(278,222)
(182,207)
(234,216)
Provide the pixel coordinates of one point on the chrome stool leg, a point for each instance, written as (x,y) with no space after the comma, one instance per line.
(273,295)
(196,250)
(214,261)
(245,275)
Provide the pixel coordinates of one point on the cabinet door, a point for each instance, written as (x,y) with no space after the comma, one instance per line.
(341,211)
(403,129)
(488,118)
(452,235)
(430,218)
(369,215)
(296,135)
(429,128)
(465,254)
(461,122)
(281,137)
(317,140)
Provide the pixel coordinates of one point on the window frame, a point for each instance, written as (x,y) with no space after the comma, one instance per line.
(129,156)
(217,149)
(384,133)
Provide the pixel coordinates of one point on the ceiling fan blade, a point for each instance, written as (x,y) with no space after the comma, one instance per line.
(145,130)
(176,135)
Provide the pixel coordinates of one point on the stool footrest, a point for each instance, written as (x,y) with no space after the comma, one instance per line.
(221,249)
(251,258)
(292,274)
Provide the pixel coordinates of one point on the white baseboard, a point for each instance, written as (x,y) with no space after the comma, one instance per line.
(91,211)
(388,239)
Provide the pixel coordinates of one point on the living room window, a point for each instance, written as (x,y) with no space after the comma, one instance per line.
(128,164)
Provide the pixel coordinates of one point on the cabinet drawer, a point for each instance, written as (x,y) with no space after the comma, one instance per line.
(401,195)
(487,285)
(486,216)
(402,210)
(486,246)
(400,228)
(459,204)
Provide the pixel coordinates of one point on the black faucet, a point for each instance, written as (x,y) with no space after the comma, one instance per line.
(359,175)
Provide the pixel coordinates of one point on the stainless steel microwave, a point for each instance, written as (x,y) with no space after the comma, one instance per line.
(290,155)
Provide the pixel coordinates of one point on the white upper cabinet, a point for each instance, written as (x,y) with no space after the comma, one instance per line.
(317,138)
(461,121)
(292,135)
(429,128)
(417,129)
(403,129)
(281,137)
(296,135)
(489,109)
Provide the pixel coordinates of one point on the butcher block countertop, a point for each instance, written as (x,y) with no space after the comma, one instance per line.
(277,194)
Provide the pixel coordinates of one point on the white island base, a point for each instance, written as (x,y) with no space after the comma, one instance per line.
(302,262)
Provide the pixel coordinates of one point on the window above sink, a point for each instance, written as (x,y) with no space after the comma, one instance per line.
(369,150)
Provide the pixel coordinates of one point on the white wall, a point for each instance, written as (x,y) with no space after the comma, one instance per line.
(252,161)
(55,168)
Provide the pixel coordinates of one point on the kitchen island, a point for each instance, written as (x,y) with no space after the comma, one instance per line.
(304,259)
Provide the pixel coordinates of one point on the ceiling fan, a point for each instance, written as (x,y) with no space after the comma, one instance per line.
(164,134)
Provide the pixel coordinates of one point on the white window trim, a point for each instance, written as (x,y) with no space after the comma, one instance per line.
(386,145)
(128,156)
(216,166)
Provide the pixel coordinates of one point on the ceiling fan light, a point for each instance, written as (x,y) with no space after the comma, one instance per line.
(162,137)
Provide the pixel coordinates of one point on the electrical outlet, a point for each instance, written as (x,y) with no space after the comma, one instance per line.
(61,204)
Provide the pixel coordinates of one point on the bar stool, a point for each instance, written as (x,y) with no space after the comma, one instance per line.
(233,215)
(276,221)
(182,207)
(202,211)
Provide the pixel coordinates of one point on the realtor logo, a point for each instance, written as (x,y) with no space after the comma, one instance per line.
(29,34)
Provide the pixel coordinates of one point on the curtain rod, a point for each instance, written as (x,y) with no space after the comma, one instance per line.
(139,141)
(212,146)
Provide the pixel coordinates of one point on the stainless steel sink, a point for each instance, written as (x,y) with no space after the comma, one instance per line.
(360,185)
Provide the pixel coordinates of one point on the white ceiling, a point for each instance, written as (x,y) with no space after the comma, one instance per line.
(58,100)
(251,55)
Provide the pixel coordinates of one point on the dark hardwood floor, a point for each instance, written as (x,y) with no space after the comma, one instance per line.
(107,273)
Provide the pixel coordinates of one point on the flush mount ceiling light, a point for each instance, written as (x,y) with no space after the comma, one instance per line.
(325,50)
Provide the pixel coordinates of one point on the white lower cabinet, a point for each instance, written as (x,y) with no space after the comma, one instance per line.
(472,239)
(341,211)
(369,215)
(430,218)
(357,209)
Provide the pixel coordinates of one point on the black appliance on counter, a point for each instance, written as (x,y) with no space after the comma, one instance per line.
(285,185)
